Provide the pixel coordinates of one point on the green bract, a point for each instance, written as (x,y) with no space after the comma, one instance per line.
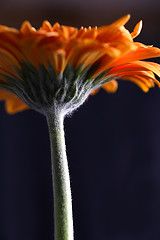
(41,89)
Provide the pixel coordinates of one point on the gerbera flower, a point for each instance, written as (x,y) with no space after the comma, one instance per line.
(63,65)
(54,69)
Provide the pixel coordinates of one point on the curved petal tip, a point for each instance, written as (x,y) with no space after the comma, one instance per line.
(137,29)
(27,28)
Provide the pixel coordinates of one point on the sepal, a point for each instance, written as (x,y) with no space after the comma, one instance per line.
(42,89)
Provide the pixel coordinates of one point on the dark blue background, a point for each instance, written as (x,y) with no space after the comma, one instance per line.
(113,148)
(114,158)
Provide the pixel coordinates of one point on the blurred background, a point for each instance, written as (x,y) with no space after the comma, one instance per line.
(112,142)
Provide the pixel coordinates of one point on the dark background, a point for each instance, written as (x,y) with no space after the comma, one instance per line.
(112,143)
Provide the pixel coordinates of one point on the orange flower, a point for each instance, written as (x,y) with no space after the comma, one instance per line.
(101,55)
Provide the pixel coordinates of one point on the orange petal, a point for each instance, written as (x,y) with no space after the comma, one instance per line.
(69,32)
(5,94)
(57,60)
(126,67)
(111,86)
(143,73)
(87,33)
(27,28)
(14,105)
(148,81)
(56,27)
(7,61)
(137,30)
(138,82)
(89,57)
(141,52)
(115,32)
(46,26)
(95,91)
(149,66)
(121,21)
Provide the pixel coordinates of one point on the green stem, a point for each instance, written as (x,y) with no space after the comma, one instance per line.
(63,223)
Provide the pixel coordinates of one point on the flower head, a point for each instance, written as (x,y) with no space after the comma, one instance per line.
(61,65)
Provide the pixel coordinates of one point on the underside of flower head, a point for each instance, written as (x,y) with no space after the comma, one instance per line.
(60,65)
